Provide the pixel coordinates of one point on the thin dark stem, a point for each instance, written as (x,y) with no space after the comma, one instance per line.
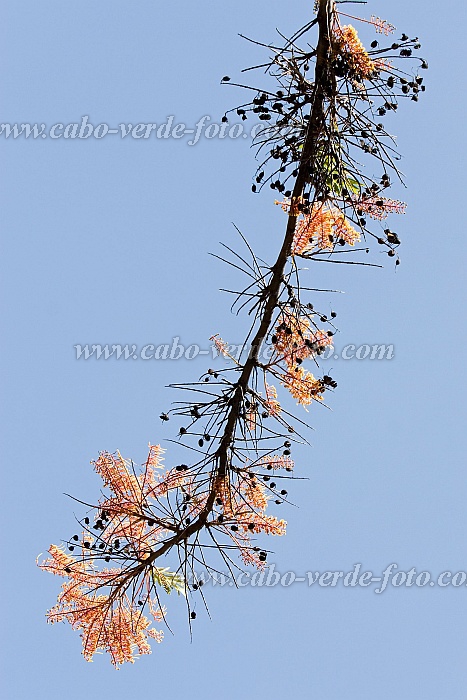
(272,291)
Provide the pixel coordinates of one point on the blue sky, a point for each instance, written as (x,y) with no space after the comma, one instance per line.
(107,241)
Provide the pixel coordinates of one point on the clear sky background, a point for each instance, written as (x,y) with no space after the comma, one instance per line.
(107,242)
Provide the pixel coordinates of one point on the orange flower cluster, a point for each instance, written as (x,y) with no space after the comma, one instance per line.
(278,462)
(106,604)
(115,474)
(342,229)
(255,496)
(224,493)
(119,476)
(251,417)
(244,505)
(353,52)
(272,403)
(379,207)
(382,26)
(295,342)
(122,515)
(321,228)
(109,623)
(289,208)
(95,600)
(269,525)
(303,386)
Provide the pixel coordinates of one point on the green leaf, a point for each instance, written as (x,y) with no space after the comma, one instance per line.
(169,581)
